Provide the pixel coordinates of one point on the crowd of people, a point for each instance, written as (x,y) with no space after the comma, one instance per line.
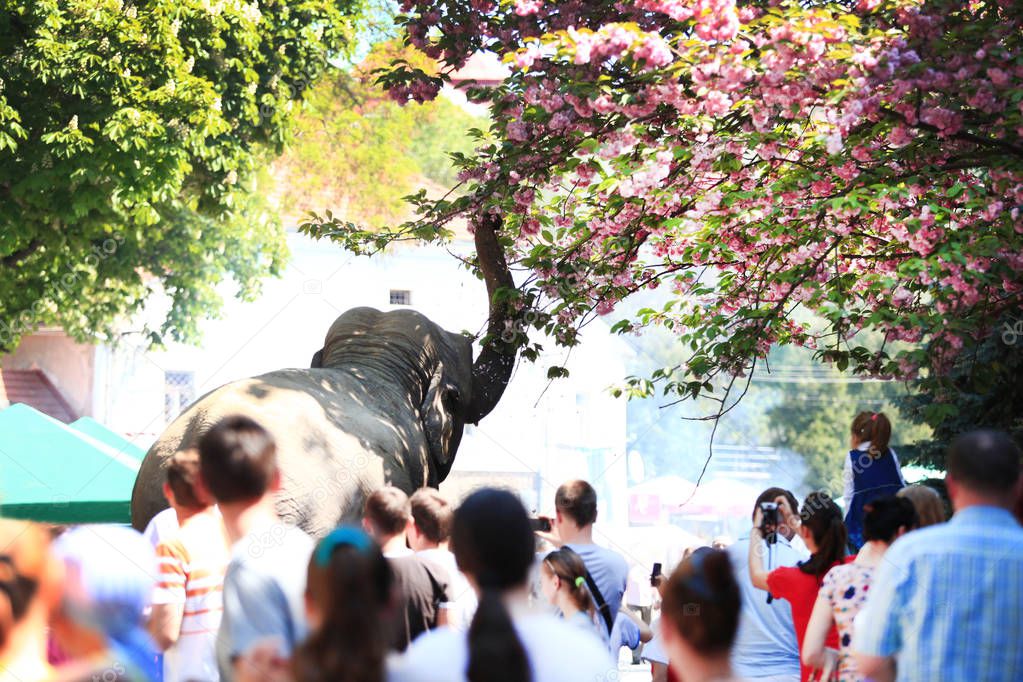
(221,588)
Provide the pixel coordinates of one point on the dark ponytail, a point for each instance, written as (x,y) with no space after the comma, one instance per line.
(351,581)
(824,519)
(875,427)
(493,542)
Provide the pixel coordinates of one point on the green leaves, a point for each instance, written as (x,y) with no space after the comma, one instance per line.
(130,140)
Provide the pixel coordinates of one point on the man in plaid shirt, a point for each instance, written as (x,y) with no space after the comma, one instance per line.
(947,601)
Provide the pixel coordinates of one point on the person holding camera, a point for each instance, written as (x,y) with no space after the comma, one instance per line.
(606,571)
(820,527)
(765,645)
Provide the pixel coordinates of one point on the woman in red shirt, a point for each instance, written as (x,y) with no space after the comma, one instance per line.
(823,532)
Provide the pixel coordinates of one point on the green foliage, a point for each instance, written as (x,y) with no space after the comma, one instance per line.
(983,390)
(361,153)
(130,137)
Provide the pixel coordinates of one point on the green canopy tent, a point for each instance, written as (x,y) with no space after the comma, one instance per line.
(91,427)
(53,473)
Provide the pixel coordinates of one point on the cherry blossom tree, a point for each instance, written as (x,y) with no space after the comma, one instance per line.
(793,172)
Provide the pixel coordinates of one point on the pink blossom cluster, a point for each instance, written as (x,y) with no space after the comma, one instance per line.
(875,152)
(613,40)
(715,19)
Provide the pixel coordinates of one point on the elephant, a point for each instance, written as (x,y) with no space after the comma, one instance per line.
(384,403)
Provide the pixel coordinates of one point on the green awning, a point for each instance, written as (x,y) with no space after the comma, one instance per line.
(53,473)
(93,428)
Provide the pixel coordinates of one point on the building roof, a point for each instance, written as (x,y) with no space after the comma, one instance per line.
(31,387)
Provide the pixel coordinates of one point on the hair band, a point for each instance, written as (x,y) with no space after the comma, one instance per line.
(345,535)
(579,581)
(873,417)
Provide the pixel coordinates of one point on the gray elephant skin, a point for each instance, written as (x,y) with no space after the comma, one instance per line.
(384,403)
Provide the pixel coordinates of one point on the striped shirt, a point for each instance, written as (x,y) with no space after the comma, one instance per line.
(947,601)
(192,564)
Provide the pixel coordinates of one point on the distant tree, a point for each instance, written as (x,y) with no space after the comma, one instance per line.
(358,149)
(130,137)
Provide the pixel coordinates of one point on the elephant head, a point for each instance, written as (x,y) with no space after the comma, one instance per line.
(432,367)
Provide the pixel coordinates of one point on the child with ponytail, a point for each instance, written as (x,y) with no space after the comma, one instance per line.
(871,470)
(493,544)
(563,581)
(822,531)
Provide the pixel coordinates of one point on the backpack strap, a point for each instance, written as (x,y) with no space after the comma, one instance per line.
(602,607)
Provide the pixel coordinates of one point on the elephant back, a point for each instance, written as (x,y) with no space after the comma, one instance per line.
(337,440)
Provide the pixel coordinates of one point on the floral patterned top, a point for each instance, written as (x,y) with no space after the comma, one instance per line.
(845,588)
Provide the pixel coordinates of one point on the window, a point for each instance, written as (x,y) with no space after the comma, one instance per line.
(401,297)
(178,393)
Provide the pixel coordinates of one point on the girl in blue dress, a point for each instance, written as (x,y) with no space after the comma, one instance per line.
(871,470)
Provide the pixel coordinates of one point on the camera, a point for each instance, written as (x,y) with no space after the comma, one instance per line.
(769,521)
(540,523)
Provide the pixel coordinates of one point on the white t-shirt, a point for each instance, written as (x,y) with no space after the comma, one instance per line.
(557,651)
(462,607)
(192,564)
(161,527)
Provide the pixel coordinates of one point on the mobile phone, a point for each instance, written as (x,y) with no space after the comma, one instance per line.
(654,574)
(540,523)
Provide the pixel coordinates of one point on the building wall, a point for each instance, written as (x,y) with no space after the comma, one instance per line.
(67,364)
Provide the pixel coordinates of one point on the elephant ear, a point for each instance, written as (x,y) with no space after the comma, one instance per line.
(439,412)
(317,361)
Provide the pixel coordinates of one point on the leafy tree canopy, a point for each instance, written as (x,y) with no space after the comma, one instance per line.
(794,171)
(130,133)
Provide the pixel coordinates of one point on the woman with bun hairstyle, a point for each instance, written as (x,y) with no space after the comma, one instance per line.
(820,526)
(871,470)
(507,641)
(563,581)
(700,616)
(29,592)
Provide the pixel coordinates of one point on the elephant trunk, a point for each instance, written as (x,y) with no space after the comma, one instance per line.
(493,366)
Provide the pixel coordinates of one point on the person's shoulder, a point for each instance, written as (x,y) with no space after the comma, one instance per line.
(172,546)
(920,541)
(610,558)
(546,634)
(441,649)
(841,573)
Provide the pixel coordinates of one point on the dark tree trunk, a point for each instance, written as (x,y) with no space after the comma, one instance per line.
(494,365)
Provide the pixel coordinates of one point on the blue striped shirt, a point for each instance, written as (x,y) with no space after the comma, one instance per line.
(947,601)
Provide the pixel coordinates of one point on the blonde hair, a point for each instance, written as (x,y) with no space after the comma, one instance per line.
(930,510)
